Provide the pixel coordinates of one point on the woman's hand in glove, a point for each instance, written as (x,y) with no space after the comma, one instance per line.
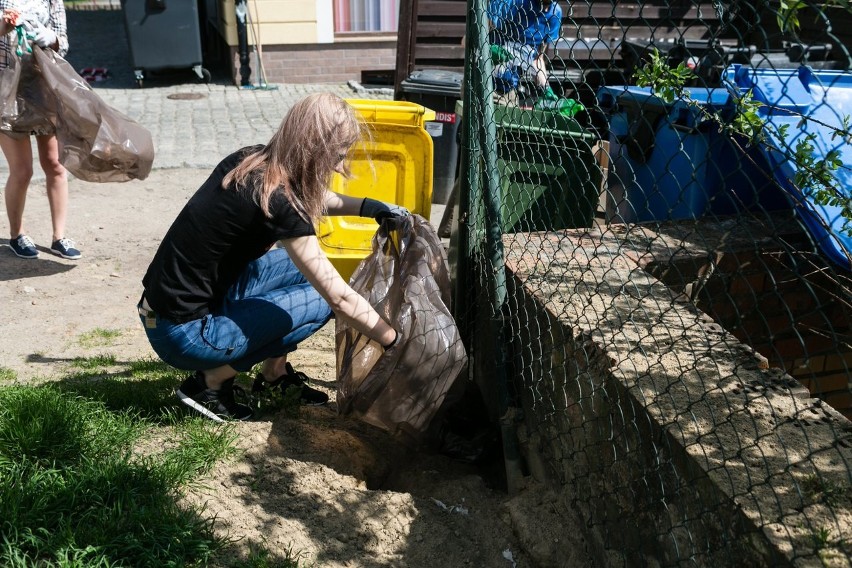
(380,210)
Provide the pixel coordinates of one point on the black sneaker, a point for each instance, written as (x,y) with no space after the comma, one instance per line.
(218,405)
(309,397)
(65,248)
(23,246)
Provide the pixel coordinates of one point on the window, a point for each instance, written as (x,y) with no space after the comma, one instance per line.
(365,15)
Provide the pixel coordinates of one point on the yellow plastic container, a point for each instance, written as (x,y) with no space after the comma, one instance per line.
(395,166)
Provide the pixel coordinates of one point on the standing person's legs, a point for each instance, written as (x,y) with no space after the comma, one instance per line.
(56,181)
(19,157)
(57,195)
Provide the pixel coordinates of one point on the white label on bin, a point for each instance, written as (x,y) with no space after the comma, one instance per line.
(435,129)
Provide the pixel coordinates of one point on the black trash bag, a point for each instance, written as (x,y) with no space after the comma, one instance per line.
(406,279)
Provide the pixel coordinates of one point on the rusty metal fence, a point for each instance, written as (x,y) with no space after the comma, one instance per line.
(652,253)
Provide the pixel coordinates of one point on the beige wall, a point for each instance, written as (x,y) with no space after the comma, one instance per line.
(272,22)
(297,43)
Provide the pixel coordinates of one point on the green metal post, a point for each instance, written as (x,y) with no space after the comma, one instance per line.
(481,86)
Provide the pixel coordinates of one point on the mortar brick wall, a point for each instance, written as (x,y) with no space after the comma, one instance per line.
(651,420)
(318,63)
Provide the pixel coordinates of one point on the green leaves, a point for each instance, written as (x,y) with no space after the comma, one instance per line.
(815,177)
(666,82)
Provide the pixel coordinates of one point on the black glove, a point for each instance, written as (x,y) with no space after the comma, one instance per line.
(379,210)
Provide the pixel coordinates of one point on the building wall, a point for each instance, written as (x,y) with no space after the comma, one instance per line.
(317,63)
(292,41)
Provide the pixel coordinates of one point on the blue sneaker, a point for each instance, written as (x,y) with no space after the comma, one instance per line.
(65,248)
(23,246)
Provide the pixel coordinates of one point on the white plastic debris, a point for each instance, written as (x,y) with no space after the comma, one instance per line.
(507,554)
(452,508)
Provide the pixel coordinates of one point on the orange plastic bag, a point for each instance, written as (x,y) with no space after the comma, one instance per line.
(406,279)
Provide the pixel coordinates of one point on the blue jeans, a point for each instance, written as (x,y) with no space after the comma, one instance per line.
(266,313)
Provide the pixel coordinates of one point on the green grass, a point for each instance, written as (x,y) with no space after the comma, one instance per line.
(7,375)
(819,489)
(76,491)
(98,337)
(261,557)
(96,362)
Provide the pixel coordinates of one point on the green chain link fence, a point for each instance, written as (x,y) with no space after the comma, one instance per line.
(653,275)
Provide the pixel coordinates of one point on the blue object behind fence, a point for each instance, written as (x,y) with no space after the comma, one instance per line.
(669,160)
(825,96)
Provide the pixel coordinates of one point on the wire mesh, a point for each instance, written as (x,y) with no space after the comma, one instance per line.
(652,256)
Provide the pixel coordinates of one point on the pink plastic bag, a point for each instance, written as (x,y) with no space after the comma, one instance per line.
(406,278)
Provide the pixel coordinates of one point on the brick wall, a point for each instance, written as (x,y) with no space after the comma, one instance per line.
(784,304)
(318,63)
(673,441)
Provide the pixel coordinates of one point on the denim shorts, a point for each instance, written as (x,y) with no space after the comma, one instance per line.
(266,313)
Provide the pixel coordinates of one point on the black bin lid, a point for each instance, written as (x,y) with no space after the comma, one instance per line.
(434,81)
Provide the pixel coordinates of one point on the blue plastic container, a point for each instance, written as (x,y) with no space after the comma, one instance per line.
(787,96)
(669,161)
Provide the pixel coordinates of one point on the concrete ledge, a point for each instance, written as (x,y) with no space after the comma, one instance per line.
(673,440)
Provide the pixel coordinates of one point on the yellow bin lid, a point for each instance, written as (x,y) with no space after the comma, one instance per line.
(392,112)
(395,166)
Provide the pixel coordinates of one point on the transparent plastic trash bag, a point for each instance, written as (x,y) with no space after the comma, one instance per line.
(406,279)
(41,93)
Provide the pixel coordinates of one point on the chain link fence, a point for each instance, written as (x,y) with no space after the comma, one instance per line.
(652,256)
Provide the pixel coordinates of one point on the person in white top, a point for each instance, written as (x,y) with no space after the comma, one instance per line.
(44,24)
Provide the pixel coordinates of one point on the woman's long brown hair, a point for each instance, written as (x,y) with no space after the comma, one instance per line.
(301,157)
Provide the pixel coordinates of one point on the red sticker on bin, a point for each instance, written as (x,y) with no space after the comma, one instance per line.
(449,117)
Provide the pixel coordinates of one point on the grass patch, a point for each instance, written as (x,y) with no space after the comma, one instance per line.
(73,490)
(819,489)
(96,362)
(261,557)
(98,337)
(7,375)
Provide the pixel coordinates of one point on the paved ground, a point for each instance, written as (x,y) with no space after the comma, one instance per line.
(187,133)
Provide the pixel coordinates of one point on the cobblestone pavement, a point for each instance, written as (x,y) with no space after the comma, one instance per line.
(187,132)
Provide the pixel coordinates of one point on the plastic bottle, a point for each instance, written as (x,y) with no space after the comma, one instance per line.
(562,105)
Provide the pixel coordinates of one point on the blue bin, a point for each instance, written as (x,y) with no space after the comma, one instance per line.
(669,162)
(787,96)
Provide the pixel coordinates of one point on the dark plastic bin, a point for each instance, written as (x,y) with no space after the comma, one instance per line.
(549,177)
(438,90)
(164,34)
(669,162)
(707,58)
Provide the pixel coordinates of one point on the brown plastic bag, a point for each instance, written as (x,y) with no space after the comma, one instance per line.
(97,142)
(23,106)
(406,278)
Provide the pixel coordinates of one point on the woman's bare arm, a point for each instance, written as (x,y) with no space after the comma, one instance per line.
(338,204)
(344,301)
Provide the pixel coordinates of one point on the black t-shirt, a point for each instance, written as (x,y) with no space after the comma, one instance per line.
(218,232)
